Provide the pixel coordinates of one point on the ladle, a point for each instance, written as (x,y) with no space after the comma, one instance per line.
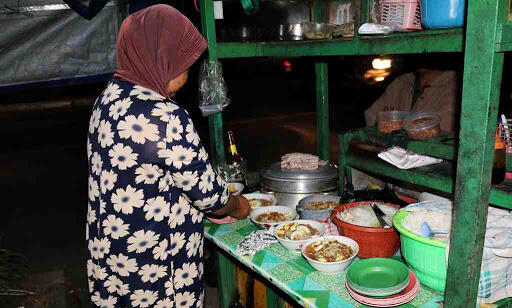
(426,231)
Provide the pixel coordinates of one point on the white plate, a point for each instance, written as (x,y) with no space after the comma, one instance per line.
(288,211)
(238,187)
(297,245)
(260,196)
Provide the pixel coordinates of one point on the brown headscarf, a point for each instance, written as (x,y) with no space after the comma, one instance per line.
(156,45)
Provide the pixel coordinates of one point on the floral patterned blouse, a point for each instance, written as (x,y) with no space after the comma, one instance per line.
(150,181)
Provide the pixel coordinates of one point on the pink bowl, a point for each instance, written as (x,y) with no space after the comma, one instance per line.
(221,221)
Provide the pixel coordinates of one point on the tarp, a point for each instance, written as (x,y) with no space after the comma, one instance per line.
(44,40)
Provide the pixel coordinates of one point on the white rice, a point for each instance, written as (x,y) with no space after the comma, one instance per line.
(436,221)
(365,217)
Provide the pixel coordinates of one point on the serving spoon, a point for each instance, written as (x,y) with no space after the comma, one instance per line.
(426,231)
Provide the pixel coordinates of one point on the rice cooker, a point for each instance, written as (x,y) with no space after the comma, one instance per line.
(289,186)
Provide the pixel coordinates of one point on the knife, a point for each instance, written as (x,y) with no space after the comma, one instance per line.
(379,213)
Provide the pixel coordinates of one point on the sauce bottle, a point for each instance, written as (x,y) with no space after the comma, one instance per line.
(236,166)
(498,165)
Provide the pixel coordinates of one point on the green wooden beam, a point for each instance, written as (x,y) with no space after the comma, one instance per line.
(503,37)
(322,111)
(226,280)
(445,40)
(480,99)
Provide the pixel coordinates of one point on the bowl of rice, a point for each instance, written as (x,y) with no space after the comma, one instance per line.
(317,207)
(358,221)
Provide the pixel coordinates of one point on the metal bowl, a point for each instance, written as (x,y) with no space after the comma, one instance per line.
(291,32)
(318,31)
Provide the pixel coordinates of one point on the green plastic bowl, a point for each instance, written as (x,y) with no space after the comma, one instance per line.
(424,256)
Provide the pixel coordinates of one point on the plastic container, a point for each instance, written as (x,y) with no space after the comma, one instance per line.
(404,14)
(424,256)
(390,121)
(373,242)
(423,125)
(316,215)
(442,13)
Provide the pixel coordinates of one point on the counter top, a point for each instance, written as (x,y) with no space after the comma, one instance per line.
(292,274)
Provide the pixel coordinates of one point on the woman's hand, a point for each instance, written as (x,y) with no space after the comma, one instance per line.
(243,209)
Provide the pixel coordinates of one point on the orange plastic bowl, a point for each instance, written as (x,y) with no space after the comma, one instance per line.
(373,242)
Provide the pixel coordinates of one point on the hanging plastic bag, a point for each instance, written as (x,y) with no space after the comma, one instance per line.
(212,88)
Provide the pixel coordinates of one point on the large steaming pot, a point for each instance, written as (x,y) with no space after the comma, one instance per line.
(289,186)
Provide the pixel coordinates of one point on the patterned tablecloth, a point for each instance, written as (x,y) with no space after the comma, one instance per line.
(292,274)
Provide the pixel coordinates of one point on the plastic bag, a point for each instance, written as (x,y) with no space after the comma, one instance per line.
(212,88)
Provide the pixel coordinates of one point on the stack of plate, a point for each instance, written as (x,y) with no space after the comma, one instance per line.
(381,282)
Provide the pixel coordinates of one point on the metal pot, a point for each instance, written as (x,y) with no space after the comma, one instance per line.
(289,186)
(294,32)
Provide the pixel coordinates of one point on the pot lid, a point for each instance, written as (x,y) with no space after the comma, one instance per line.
(275,172)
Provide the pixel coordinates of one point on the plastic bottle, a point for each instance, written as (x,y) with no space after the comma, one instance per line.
(498,165)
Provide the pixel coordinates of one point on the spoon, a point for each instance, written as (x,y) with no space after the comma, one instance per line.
(427,232)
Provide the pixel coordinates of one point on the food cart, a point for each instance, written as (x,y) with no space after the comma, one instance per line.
(484,39)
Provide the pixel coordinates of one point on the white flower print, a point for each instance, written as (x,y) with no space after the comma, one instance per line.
(138,129)
(165,303)
(96,163)
(174,129)
(148,174)
(99,272)
(119,108)
(165,181)
(110,302)
(169,288)
(111,93)
(178,212)
(105,134)
(102,206)
(161,251)
(184,300)
(93,189)
(193,244)
(89,148)
(94,121)
(122,156)
(203,155)
(122,265)
(177,156)
(143,298)
(126,200)
(152,272)
(185,180)
(177,242)
(140,241)
(225,196)
(197,216)
(91,214)
(107,180)
(91,285)
(90,268)
(115,227)
(185,276)
(200,270)
(204,203)
(156,208)
(145,94)
(200,301)
(164,111)
(207,178)
(192,136)
(103,247)
(96,298)
(114,284)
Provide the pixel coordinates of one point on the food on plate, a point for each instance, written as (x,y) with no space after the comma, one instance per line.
(301,161)
(321,205)
(255,202)
(329,250)
(232,188)
(297,231)
(272,217)
(364,215)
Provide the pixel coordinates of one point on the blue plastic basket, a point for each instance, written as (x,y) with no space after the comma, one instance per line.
(442,13)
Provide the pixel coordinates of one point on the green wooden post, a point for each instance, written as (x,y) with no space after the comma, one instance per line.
(480,98)
(215,121)
(273,299)
(322,110)
(226,280)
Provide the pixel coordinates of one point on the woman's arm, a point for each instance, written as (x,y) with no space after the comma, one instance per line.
(237,207)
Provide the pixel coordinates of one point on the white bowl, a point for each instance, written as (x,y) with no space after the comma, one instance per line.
(297,245)
(331,267)
(260,196)
(237,186)
(288,211)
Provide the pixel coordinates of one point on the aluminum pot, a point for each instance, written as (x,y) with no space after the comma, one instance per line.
(289,186)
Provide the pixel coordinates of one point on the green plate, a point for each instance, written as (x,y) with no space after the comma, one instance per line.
(378,276)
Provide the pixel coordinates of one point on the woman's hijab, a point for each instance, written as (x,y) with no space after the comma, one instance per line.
(156,45)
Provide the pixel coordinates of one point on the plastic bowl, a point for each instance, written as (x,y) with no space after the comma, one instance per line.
(423,125)
(331,267)
(317,215)
(373,242)
(424,256)
(259,196)
(261,210)
(235,188)
(389,121)
(297,245)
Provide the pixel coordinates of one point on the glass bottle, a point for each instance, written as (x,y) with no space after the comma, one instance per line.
(236,166)
(498,165)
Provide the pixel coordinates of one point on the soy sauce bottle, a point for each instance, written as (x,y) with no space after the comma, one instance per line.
(236,165)
(498,165)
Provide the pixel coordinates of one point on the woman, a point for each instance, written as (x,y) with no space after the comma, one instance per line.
(150,180)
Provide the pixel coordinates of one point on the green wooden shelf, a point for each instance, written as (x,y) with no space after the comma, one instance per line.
(426,41)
